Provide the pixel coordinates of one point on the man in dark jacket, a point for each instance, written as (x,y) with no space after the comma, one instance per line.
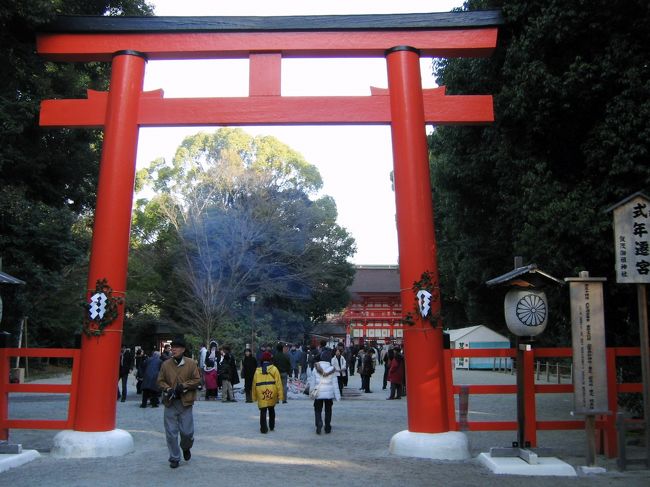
(249,364)
(282,361)
(368,369)
(150,391)
(227,371)
(126,365)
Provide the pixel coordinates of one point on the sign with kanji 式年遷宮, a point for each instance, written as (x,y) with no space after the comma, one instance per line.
(632,240)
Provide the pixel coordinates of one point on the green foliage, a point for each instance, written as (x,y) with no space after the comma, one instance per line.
(48,177)
(571,88)
(234,215)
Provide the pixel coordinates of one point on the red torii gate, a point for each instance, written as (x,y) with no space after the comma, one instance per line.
(128,42)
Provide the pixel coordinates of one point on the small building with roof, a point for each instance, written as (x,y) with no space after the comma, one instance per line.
(473,337)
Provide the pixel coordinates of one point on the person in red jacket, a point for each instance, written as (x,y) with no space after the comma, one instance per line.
(396,375)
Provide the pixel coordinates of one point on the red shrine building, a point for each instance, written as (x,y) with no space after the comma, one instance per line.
(375,310)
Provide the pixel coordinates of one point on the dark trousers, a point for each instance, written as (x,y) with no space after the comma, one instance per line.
(248,389)
(395,391)
(263,427)
(124,379)
(385,382)
(318,412)
(149,395)
(365,383)
(341,381)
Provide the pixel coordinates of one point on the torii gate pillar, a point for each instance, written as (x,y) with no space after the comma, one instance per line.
(428,434)
(94,433)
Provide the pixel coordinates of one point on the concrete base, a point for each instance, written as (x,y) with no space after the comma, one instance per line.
(584,470)
(8,460)
(548,466)
(82,444)
(451,445)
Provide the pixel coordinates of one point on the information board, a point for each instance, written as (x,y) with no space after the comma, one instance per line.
(588,339)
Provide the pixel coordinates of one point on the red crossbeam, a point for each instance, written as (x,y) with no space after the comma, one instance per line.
(156,111)
(84,47)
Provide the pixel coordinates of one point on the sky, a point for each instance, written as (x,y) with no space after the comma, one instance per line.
(354,161)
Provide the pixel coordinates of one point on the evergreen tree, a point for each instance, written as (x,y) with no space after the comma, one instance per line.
(571,86)
(48,177)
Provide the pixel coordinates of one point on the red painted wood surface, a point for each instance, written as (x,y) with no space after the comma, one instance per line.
(265,74)
(227,45)
(606,424)
(268,109)
(5,388)
(423,344)
(110,243)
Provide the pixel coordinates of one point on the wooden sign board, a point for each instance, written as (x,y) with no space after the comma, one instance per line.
(588,340)
(632,240)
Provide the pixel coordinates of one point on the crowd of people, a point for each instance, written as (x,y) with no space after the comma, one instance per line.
(325,370)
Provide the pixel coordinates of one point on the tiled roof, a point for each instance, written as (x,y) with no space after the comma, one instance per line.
(376,279)
(328,329)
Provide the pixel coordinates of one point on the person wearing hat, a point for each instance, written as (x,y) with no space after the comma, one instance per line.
(267,390)
(179,379)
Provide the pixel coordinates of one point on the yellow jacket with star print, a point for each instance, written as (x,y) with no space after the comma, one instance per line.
(267,386)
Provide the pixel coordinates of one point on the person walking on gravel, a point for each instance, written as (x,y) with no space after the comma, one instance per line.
(179,379)
(267,391)
(323,388)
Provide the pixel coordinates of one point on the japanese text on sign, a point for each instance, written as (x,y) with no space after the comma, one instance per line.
(632,241)
(588,339)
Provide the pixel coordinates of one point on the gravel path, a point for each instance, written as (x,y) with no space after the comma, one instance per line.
(229,449)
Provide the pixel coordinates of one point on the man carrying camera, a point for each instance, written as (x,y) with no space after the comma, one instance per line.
(179,379)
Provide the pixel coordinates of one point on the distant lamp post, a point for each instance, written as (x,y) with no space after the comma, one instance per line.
(252,299)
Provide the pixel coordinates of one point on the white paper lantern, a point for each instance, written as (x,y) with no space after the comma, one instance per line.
(526,312)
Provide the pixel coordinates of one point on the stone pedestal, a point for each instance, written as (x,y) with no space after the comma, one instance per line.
(82,444)
(451,445)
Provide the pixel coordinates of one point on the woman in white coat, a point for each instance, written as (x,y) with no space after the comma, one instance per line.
(323,389)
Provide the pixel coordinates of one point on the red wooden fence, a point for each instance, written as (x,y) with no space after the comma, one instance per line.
(606,424)
(6,387)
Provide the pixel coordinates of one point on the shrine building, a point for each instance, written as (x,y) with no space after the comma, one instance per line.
(375,311)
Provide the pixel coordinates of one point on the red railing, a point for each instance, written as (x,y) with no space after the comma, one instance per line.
(606,424)
(6,387)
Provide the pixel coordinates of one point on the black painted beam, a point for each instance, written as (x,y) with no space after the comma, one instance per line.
(416,21)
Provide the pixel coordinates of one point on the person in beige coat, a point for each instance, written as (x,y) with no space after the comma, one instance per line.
(179,379)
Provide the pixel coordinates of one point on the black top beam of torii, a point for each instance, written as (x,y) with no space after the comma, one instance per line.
(411,21)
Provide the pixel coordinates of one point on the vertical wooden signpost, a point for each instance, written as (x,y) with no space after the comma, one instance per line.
(589,354)
(632,250)
(400,39)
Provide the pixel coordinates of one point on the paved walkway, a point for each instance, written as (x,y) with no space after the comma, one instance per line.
(229,449)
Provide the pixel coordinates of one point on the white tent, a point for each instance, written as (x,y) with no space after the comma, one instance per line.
(479,336)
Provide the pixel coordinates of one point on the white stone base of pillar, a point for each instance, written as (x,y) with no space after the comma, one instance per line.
(84,444)
(452,445)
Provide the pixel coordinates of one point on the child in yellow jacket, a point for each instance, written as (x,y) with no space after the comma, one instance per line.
(267,391)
